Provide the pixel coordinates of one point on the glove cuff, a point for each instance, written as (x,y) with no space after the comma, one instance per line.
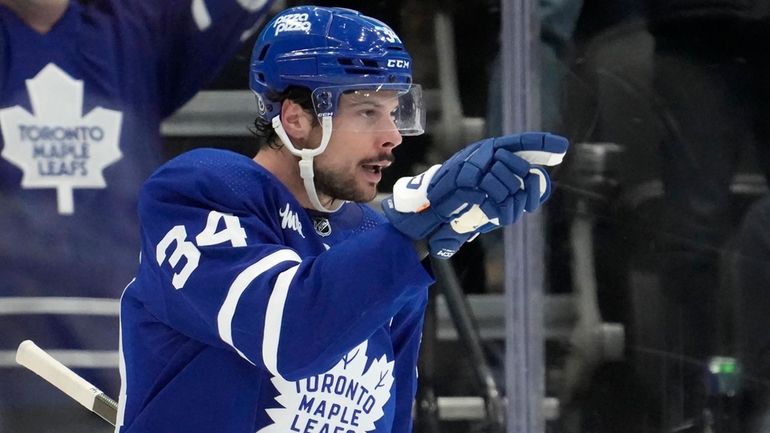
(414,225)
(410,194)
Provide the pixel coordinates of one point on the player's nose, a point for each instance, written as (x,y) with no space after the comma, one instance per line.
(390,137)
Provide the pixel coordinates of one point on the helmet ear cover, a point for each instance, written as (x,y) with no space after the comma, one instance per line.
(298,95)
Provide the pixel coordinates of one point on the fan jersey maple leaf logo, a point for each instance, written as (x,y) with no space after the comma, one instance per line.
(349,398)
(57,147)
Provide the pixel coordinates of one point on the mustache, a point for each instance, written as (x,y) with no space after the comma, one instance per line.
(383,157)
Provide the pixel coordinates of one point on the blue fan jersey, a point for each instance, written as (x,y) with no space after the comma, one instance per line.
(80,115)
(251,314)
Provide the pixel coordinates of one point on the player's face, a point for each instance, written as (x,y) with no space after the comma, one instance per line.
(361,146)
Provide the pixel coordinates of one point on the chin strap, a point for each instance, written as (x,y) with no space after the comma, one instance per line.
(306,159)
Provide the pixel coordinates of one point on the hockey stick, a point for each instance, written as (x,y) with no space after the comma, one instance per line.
(44,365)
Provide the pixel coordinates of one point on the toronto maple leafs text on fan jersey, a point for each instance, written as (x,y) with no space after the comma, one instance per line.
(80,114)
(251,314)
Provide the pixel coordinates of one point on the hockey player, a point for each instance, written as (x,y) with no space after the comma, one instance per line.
(84,86)
(268,299)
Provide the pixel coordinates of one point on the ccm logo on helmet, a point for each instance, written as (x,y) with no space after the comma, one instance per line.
(292,23)
(398,63)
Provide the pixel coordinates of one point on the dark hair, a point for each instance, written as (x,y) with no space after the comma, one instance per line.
(266,136)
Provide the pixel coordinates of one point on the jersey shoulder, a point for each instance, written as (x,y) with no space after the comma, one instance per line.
(215,178)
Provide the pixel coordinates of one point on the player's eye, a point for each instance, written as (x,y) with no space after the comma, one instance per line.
(368,114)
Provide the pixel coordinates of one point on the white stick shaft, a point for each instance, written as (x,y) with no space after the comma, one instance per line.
(44,365)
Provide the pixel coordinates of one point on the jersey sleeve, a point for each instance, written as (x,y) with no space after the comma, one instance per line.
(190,41)
(343,295)
(406,332)
(215,267)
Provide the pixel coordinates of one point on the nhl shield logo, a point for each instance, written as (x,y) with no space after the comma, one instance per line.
(322,226)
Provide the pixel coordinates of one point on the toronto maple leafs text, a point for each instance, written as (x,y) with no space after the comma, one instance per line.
(61,151)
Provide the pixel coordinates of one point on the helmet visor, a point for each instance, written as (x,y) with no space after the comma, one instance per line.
(385,107)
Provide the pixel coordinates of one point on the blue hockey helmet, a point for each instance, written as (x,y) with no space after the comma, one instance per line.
(331,51)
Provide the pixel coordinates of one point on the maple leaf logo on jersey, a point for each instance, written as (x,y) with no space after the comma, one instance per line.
(347,398)
(58,147)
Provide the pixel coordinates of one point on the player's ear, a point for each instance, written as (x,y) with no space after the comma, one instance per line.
(296,121)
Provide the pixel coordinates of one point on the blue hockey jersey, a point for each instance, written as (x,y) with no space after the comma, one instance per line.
(80,114)
(251,314)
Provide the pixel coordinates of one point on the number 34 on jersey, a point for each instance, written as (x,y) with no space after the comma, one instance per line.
(231,232)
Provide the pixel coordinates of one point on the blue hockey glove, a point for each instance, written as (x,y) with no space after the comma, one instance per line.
(502,168)
(484,186)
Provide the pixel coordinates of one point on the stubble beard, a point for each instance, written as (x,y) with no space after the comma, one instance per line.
(341,187)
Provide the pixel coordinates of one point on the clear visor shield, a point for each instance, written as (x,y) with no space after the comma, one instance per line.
(386,107)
